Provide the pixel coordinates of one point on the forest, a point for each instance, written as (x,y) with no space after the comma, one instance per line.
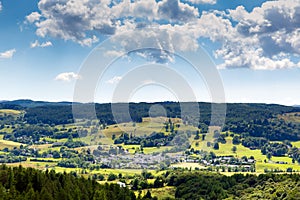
(238,186)
(28,183)
(20,183)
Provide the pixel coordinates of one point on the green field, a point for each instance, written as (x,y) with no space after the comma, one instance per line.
(8,144)
(290,117)
(296,144)
(188,165)
(123,171)
(144,128)
(37,165)
(226,150)
(138,129)
(149,150)
(160,193)
(7,129)
(10,112)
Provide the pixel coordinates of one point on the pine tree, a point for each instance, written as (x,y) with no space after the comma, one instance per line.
(2,192)
(45,194)
(148,195)
(30,194)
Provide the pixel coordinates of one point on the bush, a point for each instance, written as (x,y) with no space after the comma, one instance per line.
(112,177)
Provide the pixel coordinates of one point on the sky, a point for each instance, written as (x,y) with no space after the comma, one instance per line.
(150,50)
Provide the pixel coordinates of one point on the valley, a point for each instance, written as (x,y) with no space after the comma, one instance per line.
(150,146)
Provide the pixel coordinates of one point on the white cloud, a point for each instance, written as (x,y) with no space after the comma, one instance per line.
(0,6)
(176,11)
(265,38)
(114,53)
(268,37)
(88,41)
(80,21)
(114,80)
(33,17)
(157,43)
(138,9)
(67,77)
(7,54)
(36,44)
(74,20)
(203,1)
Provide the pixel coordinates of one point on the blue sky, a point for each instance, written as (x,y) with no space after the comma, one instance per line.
(253,45)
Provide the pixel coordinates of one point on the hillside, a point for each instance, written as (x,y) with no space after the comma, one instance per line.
(256,138)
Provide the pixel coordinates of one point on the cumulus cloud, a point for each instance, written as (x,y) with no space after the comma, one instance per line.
(137,9)
(268,37)
(114,80)
(67,77)
(83,21)
(7,54)
(265,38)
(176,11)
(157,43)
(33,17)
(0,6)
(203,1)
(36,44)
(74,20)
(88,41)
(114,53)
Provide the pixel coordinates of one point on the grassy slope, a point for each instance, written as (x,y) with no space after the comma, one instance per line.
(8,144)
(160,193)
(141,129)
(296,144)
(10,112)
(290,117)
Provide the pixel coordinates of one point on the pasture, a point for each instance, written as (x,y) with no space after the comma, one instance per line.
(8,144)
(188,166)
(161,193)
(9,112)
(290,117)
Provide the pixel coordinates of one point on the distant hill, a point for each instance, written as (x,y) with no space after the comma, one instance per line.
(27,103)
(257,120)
(61,112)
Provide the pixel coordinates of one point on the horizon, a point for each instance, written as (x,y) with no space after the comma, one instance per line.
(47,101)
(216,51)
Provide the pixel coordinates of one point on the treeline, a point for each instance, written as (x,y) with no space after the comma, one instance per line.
(214,186)
(248,120)
(10,106)
(26,183)
(236,113)
(153,140)
(11,159)
(269,128)
(49,115)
